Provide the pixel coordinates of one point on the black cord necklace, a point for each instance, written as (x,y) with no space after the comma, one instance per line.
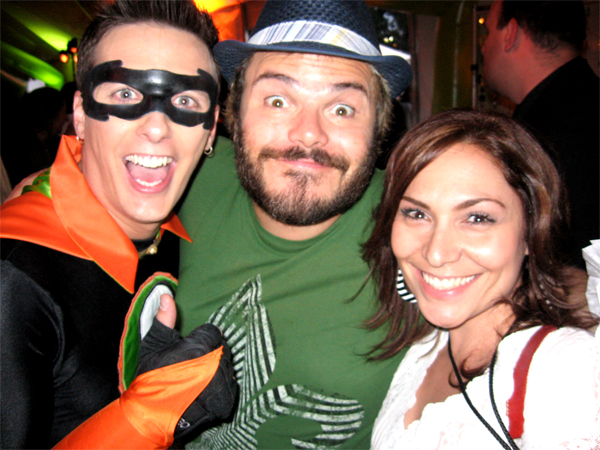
(511,443)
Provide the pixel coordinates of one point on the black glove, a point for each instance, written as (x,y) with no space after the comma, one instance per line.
(163,346)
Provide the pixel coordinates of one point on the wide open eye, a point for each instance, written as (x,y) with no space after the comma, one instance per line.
(126,94)
(277,101)
(343,110)
(197,101)
(117,94)
(184,101)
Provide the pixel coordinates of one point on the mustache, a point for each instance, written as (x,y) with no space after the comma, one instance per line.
(318,155)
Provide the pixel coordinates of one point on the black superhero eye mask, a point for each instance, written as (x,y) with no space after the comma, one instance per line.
(158,87)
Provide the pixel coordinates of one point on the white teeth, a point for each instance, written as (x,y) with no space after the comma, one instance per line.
(145,183)
(446,284)
(150,162)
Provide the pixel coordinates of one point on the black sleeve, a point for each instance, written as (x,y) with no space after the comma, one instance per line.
(30,325)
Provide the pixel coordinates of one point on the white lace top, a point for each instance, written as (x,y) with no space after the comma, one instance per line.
(562,401)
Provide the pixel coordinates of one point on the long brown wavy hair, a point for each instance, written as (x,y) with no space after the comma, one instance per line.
(542,295)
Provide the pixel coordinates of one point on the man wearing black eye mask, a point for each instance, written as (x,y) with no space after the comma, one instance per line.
(91,230)
(158,90)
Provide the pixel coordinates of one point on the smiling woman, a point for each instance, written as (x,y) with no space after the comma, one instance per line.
(459,240)
(471,213)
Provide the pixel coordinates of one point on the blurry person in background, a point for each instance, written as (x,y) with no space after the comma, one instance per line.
(532,55)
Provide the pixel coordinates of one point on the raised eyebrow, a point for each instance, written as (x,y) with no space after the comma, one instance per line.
(293,82)
(350,85)
(275,76)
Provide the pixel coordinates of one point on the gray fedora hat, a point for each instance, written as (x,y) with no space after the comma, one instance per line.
(341,28)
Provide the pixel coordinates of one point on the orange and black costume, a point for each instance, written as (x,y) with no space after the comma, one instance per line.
(68,278)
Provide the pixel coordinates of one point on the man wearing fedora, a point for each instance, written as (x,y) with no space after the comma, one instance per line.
(278,219)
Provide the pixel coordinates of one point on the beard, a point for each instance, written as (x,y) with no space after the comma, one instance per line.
(296,204)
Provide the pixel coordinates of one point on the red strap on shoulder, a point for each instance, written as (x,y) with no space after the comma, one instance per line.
(516,403)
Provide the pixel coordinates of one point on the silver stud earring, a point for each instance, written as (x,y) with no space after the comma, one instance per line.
(209,151)
(403,291)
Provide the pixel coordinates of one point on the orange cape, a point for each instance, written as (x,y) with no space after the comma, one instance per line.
(69,218)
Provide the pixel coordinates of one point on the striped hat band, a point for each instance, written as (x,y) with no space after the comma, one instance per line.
(322,33)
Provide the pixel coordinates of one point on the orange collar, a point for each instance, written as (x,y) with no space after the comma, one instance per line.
(76,224)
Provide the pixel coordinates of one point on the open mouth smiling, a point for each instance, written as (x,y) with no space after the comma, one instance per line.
(148,171)
(446,284)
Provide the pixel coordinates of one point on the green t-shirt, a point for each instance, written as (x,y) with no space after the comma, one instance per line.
(286,309)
